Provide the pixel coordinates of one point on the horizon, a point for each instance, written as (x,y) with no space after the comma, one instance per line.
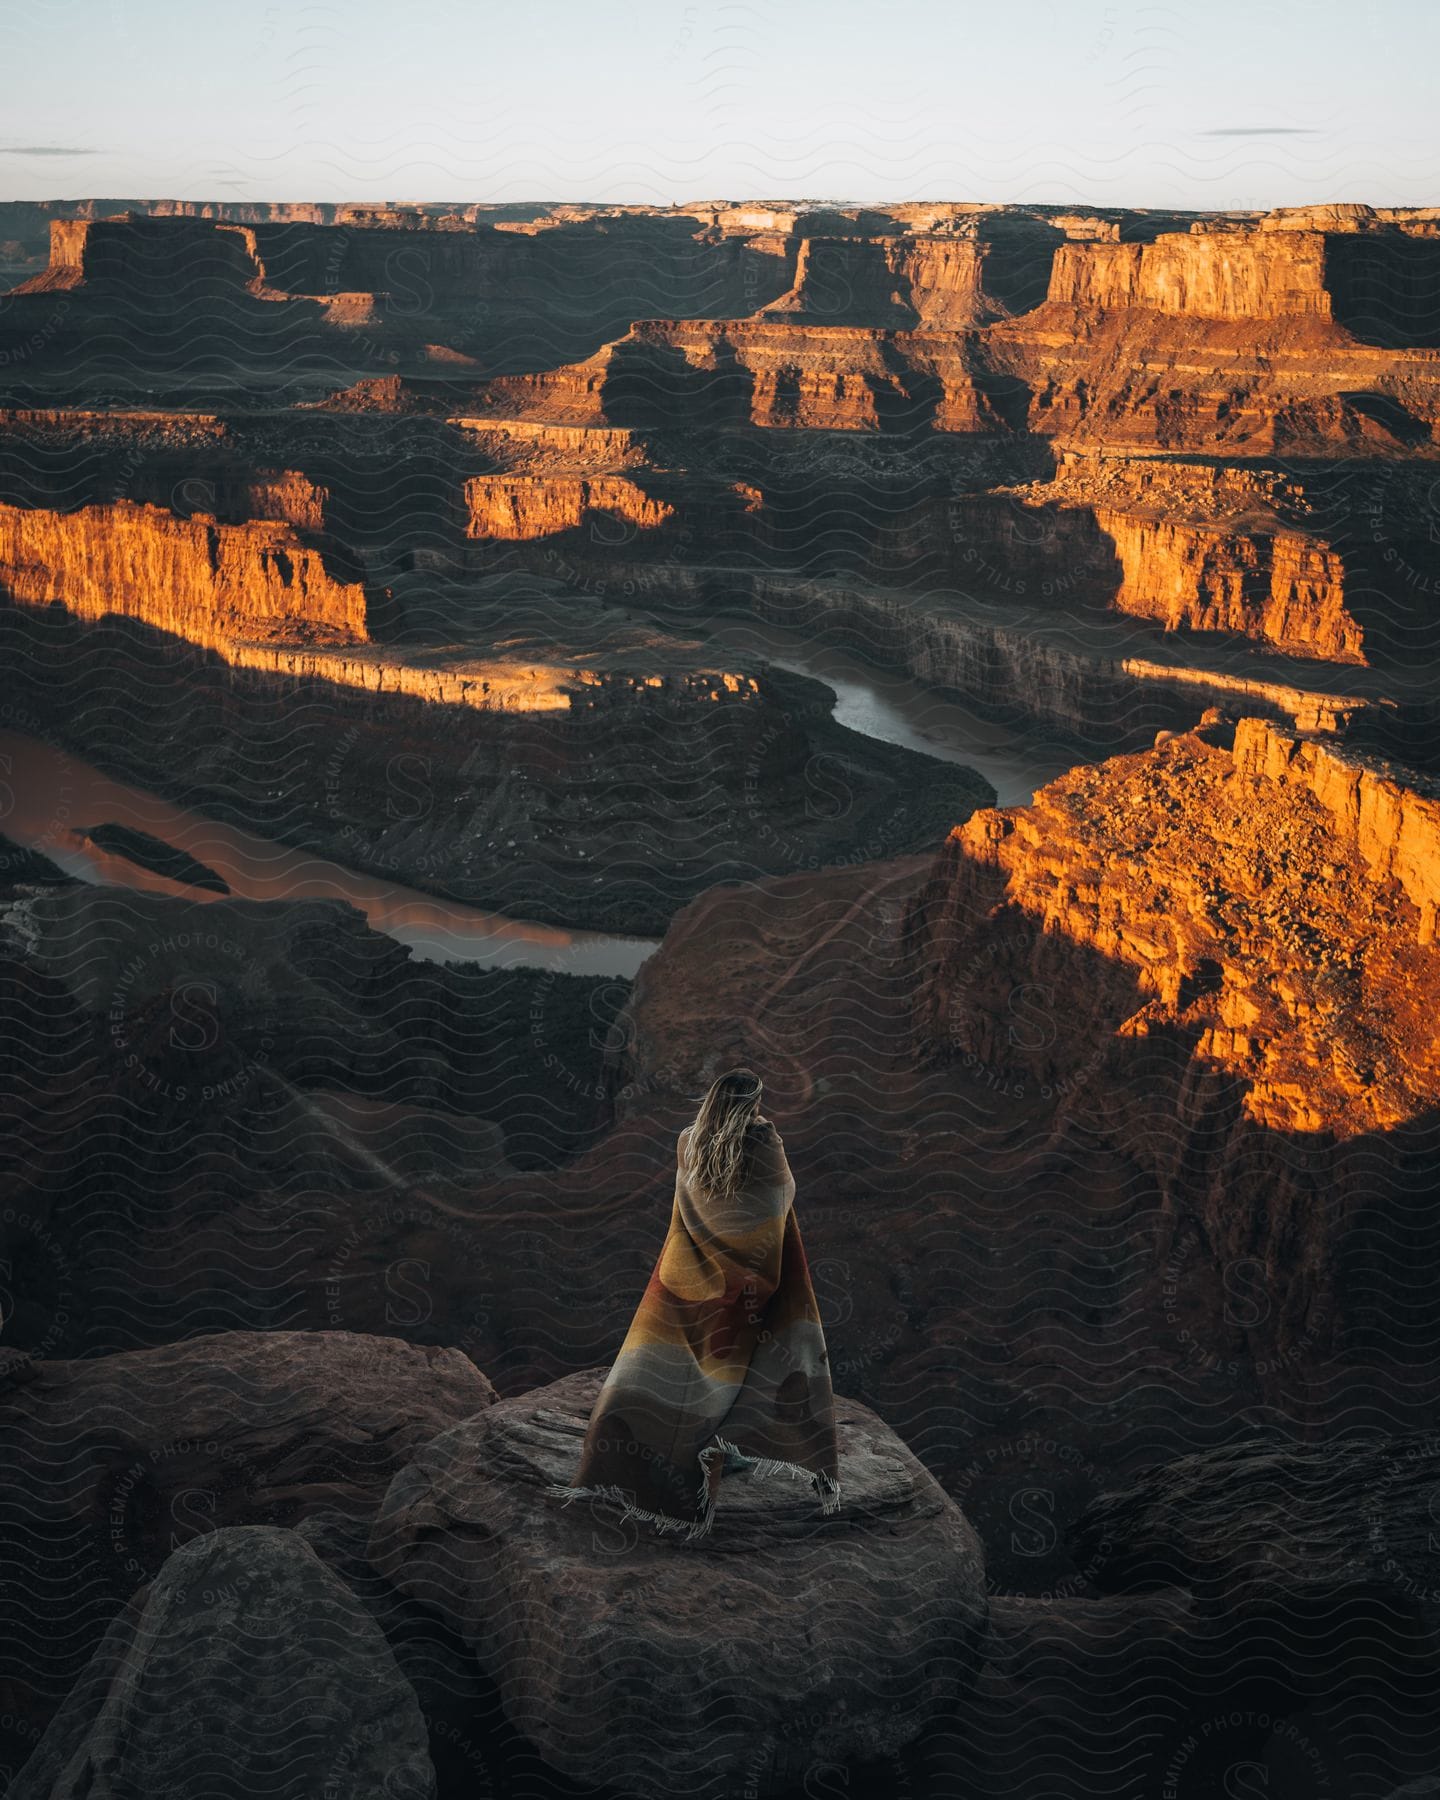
(1103,105)
(837,202)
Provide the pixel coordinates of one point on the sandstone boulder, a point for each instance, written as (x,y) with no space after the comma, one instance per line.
(248,1669)
(782,1643)
(107,1466)
(473,1747)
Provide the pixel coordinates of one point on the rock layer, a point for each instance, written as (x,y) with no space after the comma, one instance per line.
(1381,810)
(1279,587)
(1352,1517)
(1279,275)
(518,786)
(937,281)
(1378,284)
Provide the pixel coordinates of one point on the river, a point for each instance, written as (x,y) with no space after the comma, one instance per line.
(48,797)
(1015,760)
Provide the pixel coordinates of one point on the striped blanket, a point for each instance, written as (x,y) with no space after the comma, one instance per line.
(726,1354)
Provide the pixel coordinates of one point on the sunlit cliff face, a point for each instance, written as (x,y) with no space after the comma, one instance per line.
(519,507)
(263,598)
(203,581)
(1272,908)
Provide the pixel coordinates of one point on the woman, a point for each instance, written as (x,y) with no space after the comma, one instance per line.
(724,1367)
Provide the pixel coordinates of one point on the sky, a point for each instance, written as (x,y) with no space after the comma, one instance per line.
(1213,103)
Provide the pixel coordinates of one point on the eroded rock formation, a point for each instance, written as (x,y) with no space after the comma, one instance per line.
(1223,277)
(1314,1569)
(1280,588)
(1191,864)
(935,281)
(1350,1518)
(519,788)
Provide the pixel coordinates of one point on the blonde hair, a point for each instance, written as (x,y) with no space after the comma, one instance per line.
(717,1152)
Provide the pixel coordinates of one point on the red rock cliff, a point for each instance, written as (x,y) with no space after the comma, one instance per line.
(205,582)
(1379,283)
(517,507)
(1253,895)
(767,372)
(1224,276)
(1281,587)
(1387,815)
(1244,939)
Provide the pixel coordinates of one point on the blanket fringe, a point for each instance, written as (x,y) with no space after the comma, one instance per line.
(826,1487)
(663,1522)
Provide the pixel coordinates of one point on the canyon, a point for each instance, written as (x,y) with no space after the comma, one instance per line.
(508,555)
